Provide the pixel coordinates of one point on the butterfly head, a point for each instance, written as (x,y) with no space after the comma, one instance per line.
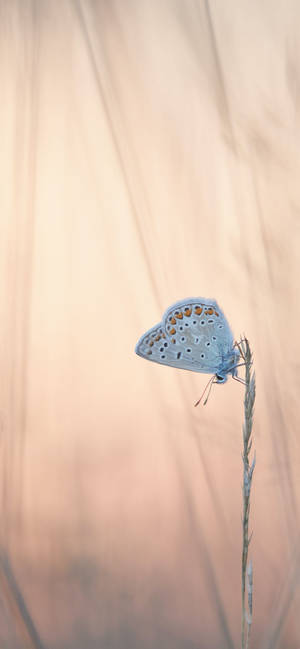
(220,378)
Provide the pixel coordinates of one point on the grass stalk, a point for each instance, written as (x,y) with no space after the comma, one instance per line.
(248,468)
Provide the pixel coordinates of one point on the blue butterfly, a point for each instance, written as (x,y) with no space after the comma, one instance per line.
(193,335)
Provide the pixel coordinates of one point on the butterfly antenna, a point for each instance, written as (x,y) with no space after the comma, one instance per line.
(209,391)
(210,382)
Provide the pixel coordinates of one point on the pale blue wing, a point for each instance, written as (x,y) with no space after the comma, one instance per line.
(202,323)
(194,335)
(199,325)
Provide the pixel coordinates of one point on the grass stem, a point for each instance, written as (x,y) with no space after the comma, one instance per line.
(248,469)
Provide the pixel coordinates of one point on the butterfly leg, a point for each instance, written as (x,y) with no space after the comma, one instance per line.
(233,367)
(237,378)
(239,346)
(239,365)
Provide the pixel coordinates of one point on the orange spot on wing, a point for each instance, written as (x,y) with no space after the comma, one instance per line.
(173,321)
(157,337)
(187,312)
(151,343)
(179,316)
(216,313)
(173,340)
(210,311)
(163,335)
(172,331)
(198,310)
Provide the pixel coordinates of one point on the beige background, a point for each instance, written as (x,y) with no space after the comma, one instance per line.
(149,152)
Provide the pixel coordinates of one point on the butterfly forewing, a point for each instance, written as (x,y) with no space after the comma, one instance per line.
(198,326)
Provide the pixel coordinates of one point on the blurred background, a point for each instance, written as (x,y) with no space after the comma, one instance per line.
(149,152)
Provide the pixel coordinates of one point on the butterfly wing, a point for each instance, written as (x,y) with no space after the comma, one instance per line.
(194,335)
(200,325)
(154,346)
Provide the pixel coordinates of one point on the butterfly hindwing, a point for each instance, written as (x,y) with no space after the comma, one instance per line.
(152,344)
